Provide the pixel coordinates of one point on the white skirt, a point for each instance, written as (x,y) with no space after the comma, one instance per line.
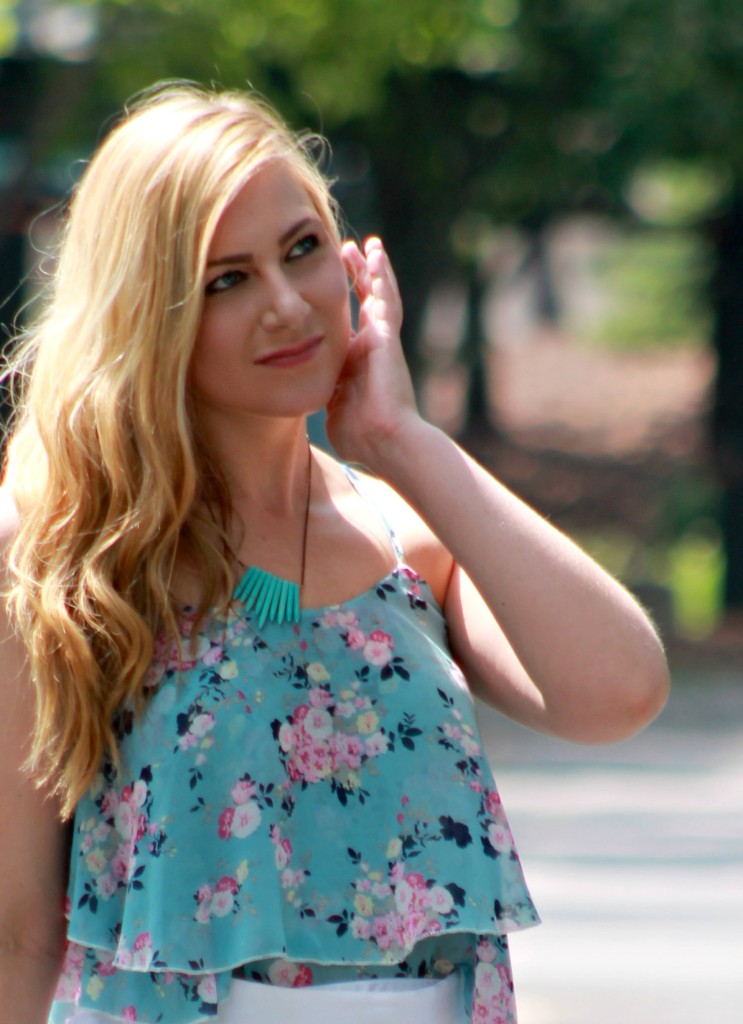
(384,1001)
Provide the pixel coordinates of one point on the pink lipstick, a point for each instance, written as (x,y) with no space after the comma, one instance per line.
(292,355)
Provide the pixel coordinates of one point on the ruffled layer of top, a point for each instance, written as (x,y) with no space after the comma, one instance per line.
(300,804)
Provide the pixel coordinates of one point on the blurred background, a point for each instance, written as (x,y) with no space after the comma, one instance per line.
(560,185)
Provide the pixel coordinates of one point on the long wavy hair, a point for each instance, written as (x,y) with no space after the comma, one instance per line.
(104,459)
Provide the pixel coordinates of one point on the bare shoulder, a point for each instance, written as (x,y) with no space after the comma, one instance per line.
(424,552)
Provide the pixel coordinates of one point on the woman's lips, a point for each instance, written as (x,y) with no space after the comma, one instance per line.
(291,355)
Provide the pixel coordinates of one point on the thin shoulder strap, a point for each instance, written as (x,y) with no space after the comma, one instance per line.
(366,492)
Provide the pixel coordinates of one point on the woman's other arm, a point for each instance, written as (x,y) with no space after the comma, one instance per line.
(33,841)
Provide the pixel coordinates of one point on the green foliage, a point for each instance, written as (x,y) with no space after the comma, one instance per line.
(655,282)
(676,194)
(695,573)
(8,26)
(689,567)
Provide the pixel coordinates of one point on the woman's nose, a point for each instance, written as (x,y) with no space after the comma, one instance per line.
(284,306)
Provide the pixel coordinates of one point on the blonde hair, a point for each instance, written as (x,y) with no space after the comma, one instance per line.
(104,459)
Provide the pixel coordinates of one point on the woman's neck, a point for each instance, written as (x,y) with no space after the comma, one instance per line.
(265,467)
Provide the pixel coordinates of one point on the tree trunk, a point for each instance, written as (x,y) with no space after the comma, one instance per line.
(727,409)
(474,348)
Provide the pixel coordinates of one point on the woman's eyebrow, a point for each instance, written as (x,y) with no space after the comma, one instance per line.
(247,257)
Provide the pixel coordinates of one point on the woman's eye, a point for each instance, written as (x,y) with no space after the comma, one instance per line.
(225,281)
(304,246)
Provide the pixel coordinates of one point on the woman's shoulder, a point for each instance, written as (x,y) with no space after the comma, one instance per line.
(422,549)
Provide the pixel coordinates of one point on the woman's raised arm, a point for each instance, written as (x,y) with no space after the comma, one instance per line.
(539,628)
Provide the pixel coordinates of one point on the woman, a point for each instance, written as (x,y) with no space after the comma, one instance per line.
(236,729)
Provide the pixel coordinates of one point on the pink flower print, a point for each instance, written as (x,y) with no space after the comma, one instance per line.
(162,646)
(69,984)
(493,998)
(213,656)
(384,929)
(291,879)
(287,737)
(202,724)
(204,893)
(441,899)
(186,624)
(222,902)
(283,973)
(106,886)
(242,791)
(141,827)
(378,648)
(320,765)
(344,709)
(303,977)
(319,698)
(185,664)
(329,620)
(452,732)
(471,747)
(493,804)
(227,884)
(283,853)
(120,863)
(346,750)
(355,639)
(123,957)
(129,1013)
(376,744)
(207,989)
(347,618)
(105,967)
(246,819)
(203,913)
(361,928)
(224,825)
(413,925)
(500,837)
(318,724)
(403,896)
(300,713)
(416,881)
(397,872)
(124,820)
(486,952)
(142,951)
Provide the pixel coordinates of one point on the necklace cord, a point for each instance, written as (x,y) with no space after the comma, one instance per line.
(305,531)
(306,515)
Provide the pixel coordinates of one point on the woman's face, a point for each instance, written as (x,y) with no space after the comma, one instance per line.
(276,321)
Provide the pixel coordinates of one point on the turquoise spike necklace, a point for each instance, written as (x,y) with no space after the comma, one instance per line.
(271,597)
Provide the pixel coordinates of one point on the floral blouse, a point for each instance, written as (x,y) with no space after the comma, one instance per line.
(297,805)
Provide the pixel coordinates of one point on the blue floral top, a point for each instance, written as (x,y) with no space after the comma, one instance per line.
(304,804)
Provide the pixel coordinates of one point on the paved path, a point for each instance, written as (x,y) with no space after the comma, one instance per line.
(634,855)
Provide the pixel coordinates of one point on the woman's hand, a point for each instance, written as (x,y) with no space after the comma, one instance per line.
(374,397)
